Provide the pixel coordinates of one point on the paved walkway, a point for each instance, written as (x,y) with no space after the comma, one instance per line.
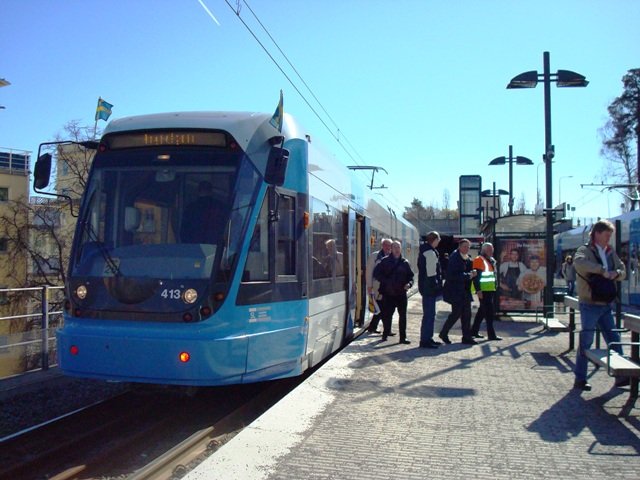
(387,411)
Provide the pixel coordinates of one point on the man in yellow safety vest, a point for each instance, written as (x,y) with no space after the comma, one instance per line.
(485,284)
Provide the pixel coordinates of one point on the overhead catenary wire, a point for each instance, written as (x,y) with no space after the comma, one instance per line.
(338,131)
(335,135)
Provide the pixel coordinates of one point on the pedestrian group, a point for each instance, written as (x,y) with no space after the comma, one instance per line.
(389,277)
(592,271)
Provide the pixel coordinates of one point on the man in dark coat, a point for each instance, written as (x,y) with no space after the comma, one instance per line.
(205,218)
(396,277)
(457,292)
(372,284)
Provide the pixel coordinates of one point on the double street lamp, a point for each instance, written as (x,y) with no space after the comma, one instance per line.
(495,194)
(519,161)
(562,78)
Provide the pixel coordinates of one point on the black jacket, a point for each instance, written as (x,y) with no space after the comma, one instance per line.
(393,274)
(430,286)
(457,288)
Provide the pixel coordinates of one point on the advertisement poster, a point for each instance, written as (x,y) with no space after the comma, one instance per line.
(522,274)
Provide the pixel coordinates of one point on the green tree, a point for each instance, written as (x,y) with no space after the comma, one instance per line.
(418,214)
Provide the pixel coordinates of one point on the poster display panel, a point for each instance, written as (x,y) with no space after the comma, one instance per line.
(522,274)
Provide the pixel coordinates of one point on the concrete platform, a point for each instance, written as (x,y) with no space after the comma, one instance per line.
(380,410)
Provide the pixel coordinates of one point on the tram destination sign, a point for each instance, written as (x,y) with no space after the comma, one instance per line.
(158,138)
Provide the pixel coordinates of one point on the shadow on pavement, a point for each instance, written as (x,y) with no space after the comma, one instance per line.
(414,387)
(421,391)
(572,414)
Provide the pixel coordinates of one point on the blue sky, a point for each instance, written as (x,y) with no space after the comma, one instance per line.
(416,87)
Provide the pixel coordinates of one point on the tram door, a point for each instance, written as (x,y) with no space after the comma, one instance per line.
(350,258)
(361,264)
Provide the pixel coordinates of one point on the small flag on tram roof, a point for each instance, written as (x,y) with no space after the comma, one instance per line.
(103,111)
(278,116)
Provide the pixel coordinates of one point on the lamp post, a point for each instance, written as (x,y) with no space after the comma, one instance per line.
(560,187)
(4,83)
(563,78)
(495,193)
(510,159)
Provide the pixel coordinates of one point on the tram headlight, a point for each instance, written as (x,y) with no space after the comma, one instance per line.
(190,295)
(81,292)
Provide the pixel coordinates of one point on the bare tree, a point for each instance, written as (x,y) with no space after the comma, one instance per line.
(33,232)
(40,229)
(73,161)
(446,199)
(621,134)
(522,204)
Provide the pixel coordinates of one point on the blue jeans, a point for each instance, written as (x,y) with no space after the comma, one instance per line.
(590,317)
(428,318)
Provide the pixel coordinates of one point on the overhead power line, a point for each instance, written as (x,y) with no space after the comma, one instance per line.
(337,134)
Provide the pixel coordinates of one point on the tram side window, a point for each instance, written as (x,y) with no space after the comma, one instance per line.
(327,238)
(257,266)
(286,227)
(336,246)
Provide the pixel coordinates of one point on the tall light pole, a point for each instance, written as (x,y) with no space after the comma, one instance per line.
(560,187)
(4,83)
(510,159)
(495,195)
(563,78)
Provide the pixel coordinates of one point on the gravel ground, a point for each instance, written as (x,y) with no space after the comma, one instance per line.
(33,398)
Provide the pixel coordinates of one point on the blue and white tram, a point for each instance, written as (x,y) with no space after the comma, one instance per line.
(193,263)
(568,242)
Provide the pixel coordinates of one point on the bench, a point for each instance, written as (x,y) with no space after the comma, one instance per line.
(551,324)
(555,325)
(616,364)
(573,304)
(632,323)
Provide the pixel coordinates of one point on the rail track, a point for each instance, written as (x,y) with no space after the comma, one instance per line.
(149,434)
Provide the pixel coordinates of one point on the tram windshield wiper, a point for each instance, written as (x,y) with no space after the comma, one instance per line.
(111,264)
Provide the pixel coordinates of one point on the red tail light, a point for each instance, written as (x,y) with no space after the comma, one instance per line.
(184,357)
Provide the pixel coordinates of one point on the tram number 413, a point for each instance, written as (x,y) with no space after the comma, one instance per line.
(171,293)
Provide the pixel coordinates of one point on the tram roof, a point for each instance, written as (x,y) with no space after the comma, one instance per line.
(241,125)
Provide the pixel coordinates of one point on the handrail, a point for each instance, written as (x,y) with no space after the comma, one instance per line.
(40,336)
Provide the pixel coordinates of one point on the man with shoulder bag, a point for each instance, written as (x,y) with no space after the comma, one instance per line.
(598,267)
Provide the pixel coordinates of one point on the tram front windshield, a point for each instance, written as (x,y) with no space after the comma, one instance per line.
(164,221)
